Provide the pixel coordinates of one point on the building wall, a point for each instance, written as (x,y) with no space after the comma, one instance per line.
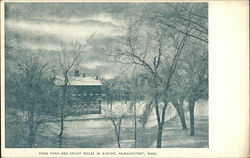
(87,99)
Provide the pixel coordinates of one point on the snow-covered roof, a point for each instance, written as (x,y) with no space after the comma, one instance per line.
(79,81)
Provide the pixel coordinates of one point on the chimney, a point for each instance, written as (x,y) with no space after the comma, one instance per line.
(77,73)
(83,75)
(96,78)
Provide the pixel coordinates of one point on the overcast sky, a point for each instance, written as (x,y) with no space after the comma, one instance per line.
(49,25)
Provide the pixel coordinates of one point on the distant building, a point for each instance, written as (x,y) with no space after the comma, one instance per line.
(85,94)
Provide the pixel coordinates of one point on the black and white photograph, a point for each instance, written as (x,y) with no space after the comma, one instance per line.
(129,78)
(106,75)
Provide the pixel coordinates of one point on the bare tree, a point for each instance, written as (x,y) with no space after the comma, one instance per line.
(181,15)
(147,95)
(196,69)
(155,44)
(135,97)
(194,17)
(68,56)
(178,45)
(178,104)
(178,94)
(31,91)
(149,53)
(116,115)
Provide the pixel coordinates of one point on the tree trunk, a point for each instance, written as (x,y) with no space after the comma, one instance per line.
(159,135)
(191,111)
(135,123)
(160,125)
(31,137)
(62,115)
(182,118)
(118,141)
(158,115)
(62,128)
(181,114)
(31,134)
(117,131)
(111,105)
(135,115)
(62,119)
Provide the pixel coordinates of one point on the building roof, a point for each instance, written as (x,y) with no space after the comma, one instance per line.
(79,81)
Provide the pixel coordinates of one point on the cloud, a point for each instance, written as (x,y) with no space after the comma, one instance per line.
(107,18)
(69,29)
(102,18)
(39,46)
(50,33)
(108,76)
(93,64)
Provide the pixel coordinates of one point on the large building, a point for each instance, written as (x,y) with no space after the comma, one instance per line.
(85,94)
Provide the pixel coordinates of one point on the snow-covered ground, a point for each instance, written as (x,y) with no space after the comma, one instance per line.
(95,131)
